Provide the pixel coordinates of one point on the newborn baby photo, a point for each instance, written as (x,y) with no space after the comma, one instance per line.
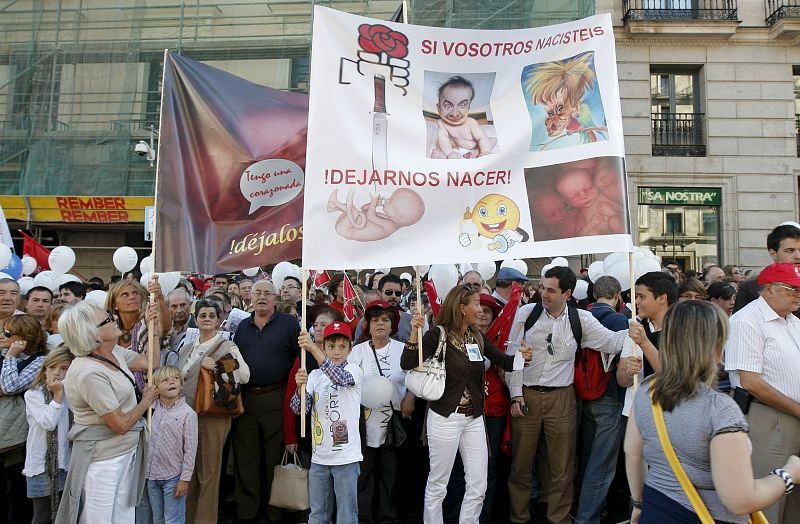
(458,115)
(578,199)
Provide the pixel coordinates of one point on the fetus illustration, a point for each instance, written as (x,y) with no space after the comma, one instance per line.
(378,218)
(495,217)
(553,216)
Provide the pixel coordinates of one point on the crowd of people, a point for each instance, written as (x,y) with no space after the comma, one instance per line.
(699,386)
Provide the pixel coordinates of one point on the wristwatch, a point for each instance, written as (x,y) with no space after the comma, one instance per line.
(787,479)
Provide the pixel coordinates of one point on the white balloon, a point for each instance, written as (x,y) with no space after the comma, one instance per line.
(596,270)
(581,289)
(376,391)
(47,279)
(61,260)
(560,261)
(423,270)
(146,265)
(6,275)
(546,268)
(125,259)
(296,272)
(97,297)
(5,255)
(445,277)
(168,281)
(621,271)
(508,263)
(384,270)
(521,266)
(145,278)
(613,258)
(406,276)
(486,269)
(251,271)
(282,270)
(25,284)
(29,264)
(67,277)
(645,265)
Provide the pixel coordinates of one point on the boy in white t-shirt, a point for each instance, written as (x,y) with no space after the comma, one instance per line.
(333,396)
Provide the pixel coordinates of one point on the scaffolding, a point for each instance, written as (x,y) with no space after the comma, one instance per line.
(80,79)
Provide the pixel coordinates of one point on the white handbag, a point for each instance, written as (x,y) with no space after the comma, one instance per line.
(427,381)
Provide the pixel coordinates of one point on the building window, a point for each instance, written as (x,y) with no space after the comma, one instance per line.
(680,9)
(677,122)
(709,223)
(673,223)
(796,78)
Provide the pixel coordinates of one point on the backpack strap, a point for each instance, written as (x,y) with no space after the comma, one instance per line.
(536,312)
(575,324)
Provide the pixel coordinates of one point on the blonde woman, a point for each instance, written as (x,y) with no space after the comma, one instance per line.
(706,429)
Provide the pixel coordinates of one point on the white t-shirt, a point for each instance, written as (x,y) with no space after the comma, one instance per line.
(389,359)
(334,418)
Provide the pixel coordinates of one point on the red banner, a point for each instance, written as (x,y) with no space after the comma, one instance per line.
(231,171)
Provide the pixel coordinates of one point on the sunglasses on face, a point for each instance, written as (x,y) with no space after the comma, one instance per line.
(7,333)
(391,293)
(109,319)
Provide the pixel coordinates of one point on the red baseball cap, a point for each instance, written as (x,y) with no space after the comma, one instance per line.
(785,272)
(337,328)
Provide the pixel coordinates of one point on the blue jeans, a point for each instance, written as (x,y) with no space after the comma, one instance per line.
(167,508)
(602,437)
(340,480)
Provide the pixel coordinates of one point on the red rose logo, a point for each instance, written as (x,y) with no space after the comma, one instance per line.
(380,39)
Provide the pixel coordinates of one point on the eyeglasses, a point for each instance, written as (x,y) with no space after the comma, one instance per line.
(392,293)
(549,340)
(794,290)
(7,333)
(108,320)
(263,294)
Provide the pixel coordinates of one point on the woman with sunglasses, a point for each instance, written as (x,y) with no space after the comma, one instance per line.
(455,422)
(205,351)
(106,474)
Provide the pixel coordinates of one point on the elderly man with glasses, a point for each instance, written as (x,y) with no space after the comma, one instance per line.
(267,340)
(762,355)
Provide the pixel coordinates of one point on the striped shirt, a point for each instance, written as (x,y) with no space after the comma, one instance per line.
(173,441)
(763,342)
(13,381)
(558,369)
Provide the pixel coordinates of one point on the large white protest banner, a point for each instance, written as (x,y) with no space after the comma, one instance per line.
(431,145)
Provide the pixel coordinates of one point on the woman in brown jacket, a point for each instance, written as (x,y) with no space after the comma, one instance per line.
(455,422)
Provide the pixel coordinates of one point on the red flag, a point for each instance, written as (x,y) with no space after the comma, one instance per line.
(501,327)
(350,297)
(433,298)
(319,278)
(34,249)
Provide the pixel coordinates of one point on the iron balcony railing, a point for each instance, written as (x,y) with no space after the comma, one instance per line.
(665,10)
(678,134)
(779,9)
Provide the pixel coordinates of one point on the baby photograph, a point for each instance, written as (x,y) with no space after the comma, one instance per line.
(578,199)
(458,115)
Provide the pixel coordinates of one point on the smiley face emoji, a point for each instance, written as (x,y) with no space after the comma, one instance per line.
(494,214)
